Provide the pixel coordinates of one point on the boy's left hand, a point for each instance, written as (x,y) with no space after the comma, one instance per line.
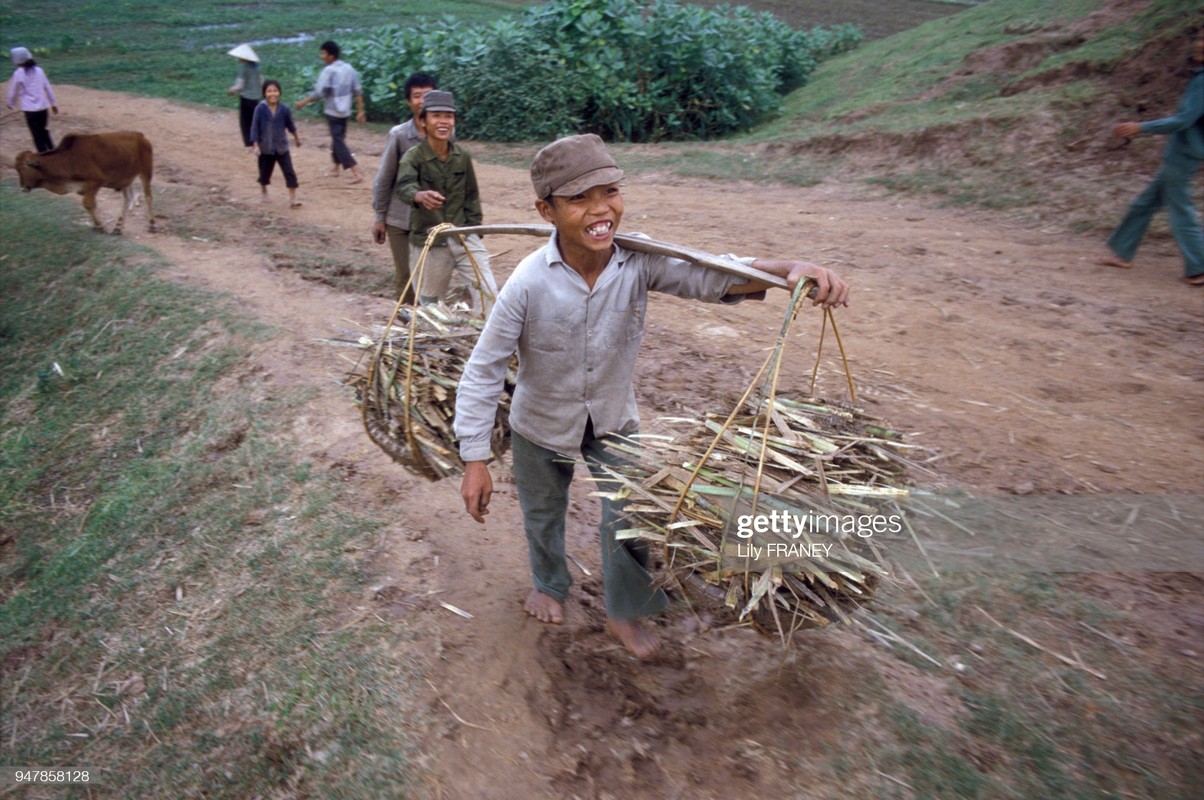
(830,288)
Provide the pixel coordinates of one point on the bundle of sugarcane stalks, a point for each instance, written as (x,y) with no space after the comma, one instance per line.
(769,514)
(407,393)
(822,478)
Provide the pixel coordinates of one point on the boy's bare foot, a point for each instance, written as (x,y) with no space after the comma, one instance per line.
(544,608)
(1193,280)
(1113,260)
(639,641)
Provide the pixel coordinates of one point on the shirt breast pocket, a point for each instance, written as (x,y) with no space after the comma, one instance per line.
(623,326)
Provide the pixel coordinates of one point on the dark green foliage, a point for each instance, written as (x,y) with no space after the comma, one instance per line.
(629,70)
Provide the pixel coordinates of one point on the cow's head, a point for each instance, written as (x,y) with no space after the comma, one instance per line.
(29,170)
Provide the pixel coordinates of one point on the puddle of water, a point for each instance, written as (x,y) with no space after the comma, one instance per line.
(300,38)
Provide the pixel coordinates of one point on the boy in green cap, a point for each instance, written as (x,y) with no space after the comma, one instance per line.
(574,312)
(437,180)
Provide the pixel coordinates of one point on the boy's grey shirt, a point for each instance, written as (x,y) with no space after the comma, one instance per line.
(337,86)
(388,208)
(576,348)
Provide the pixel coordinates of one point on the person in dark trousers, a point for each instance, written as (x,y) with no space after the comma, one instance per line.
(31,92)
(392,223)
(269,139)
(337,86)
(1171,187)
(248,86)
(574,312)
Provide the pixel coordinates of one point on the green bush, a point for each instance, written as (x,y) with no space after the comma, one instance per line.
(628,70)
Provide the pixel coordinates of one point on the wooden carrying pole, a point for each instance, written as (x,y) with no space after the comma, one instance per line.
(638,244)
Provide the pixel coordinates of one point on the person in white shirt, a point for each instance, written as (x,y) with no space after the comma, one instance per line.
(338,84)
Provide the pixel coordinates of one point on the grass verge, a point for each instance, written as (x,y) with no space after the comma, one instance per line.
(175,579)
(1118,721)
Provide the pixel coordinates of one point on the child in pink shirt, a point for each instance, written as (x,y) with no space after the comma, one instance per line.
(31,92)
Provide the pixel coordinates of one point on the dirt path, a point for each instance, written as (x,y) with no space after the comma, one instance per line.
(1025,365)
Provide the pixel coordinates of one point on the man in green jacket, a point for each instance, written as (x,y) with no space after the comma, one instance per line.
(437,180)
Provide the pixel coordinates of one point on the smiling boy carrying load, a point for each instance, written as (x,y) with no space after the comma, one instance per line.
(574,312)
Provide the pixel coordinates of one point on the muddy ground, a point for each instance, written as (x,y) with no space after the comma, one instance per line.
(1002,347)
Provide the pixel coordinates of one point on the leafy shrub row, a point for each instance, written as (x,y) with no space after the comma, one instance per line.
(628,70)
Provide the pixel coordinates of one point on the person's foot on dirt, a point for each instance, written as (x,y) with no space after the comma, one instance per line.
(295,204)
(1113,260)
(639,641)
(544,608)
(334,173)
(356,177)
(1193,280)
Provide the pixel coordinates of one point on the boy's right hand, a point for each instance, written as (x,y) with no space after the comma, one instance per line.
(476,489)
(429,199)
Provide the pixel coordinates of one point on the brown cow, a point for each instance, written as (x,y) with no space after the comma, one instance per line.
(86,162)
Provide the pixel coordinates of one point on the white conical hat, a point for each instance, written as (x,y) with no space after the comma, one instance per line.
(244,52)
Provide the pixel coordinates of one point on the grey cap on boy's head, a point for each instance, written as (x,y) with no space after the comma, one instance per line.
(571,165)
(436,100)
(20,55)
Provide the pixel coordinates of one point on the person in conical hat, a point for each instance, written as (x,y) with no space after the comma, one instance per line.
(248,87)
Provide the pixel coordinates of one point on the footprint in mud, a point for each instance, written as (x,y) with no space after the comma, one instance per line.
(624,728)
(612,715)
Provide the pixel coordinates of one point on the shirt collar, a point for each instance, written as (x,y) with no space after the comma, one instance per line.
(617,258)
(430,153)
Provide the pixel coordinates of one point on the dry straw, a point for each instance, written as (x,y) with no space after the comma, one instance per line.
(830,465)
(407,393)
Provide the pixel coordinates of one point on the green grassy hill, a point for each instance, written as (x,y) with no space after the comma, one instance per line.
(1026,88)
(1007,105)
